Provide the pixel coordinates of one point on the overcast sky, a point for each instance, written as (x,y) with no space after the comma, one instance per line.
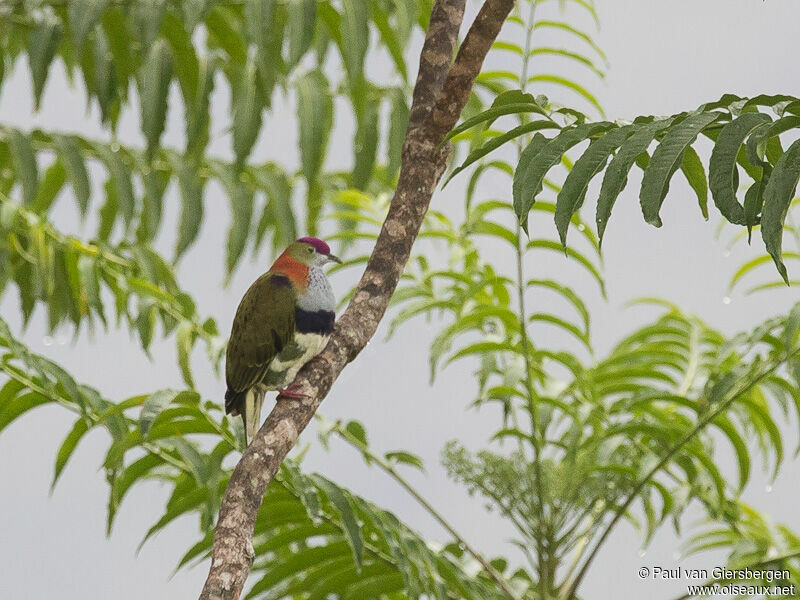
(665,57)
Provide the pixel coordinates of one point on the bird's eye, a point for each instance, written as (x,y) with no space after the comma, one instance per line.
(309,250)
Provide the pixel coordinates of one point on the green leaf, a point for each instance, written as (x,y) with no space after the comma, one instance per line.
(184,57)
(87,268)
(666,159)
(762,136)
(241,199)
(70,155)
(106,79)
(108,212)
(526,157)
(68,447)
(739,446)
(574,254)
(616,175)
(14,407)
(315,118)
(265,21)
(591,162)
(356,429)
(115,26)
(120,181)
(722,168)
(148,15)
(406,458)
(155,78)
(24,161)
(224,32)
(153,406)
(567,294)
(155,184)
(753,203)
(344,505)
(146,323)
(191,187)
(247,108)
(777,197)
(277,210)
(184,342)
(389,38)
(42,43)
(198,117)
(195,11)
(51,184)
(532,168)
(355,37)
(695,174)
(570,56)
(257,17)
(302,17)
(83,17)
(365,144)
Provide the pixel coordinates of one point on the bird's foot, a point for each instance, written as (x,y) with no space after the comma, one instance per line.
(293,391)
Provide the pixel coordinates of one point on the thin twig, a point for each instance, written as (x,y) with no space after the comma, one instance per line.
(536,437)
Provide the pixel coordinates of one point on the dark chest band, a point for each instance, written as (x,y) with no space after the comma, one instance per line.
(319,322)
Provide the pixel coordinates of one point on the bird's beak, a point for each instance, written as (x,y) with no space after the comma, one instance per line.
(332,258)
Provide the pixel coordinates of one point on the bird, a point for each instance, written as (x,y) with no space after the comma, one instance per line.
(284,319)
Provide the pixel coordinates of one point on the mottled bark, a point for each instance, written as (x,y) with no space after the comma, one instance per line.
(439,96)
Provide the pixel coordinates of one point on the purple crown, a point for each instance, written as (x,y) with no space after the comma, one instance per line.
(318,244)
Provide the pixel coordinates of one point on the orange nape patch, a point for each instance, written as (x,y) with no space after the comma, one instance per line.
(296,271)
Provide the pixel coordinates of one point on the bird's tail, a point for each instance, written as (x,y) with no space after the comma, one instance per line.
(247,404)
(252,414)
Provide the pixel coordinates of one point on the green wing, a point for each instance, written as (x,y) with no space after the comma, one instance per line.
(263,325)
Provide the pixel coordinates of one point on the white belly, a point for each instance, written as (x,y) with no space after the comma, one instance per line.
(284,367)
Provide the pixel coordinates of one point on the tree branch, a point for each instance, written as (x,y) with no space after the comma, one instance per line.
(439,96)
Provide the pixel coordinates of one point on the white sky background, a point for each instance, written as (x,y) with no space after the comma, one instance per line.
(665,57)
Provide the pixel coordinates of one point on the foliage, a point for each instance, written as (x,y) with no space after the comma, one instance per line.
(639,425)
(130,55)
(258,48)
(583,442)
(70,277)
(311,535)
(743,135)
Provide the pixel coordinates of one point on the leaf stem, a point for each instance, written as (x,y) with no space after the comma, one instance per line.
(543,577)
